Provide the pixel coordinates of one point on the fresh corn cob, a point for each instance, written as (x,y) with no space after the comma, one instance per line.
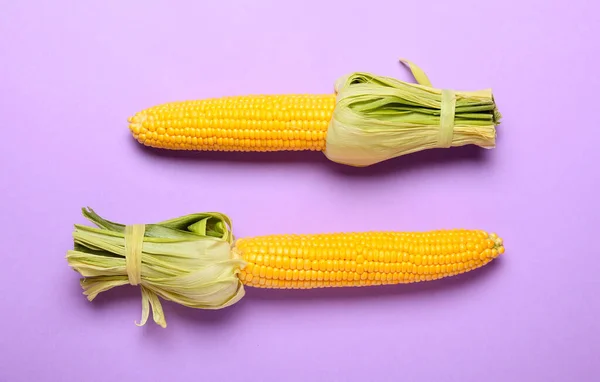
(242,123)
(360,259)
(367,120)
(195,261)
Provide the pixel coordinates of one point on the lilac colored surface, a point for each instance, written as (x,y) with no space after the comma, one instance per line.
(72,72)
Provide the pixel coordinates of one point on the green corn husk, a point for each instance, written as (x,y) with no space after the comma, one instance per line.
(377,118)
(187,260)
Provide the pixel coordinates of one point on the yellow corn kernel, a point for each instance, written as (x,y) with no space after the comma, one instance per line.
(361,259)
(256,123)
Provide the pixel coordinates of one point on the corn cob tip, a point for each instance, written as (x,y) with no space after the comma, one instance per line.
(498,245)
(135,126)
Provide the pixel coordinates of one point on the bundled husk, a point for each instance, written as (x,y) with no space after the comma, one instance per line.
(377,118)
(187,260)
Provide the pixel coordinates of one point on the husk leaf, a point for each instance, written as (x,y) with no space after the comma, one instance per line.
(377,118)
(187,260)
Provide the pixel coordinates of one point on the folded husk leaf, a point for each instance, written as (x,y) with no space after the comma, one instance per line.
(377,118)
(187,260)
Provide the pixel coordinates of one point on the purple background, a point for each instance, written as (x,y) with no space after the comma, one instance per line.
(71,72)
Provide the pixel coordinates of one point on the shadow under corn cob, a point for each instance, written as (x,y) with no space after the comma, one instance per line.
(367,120)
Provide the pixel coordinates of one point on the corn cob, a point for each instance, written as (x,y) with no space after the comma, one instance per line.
(361,259)
(242,123)
(367,120)
(195,261)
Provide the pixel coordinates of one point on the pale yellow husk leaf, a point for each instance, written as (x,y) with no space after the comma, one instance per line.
(377,118)
(187,260)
